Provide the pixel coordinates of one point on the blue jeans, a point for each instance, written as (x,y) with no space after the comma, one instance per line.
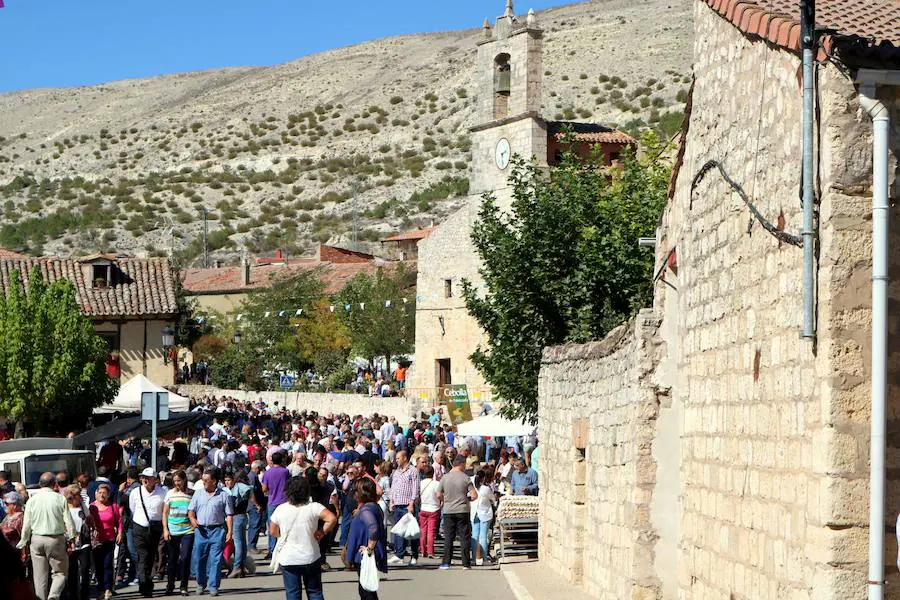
(132,553)
(272,539)
(480,530)
(209,544)
(296,577)
(400,542)
(346,520)
(254,525)
(239,533)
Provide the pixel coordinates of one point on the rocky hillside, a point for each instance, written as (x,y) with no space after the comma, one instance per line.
(350,144)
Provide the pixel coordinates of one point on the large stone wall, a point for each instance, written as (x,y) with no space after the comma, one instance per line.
(772,441)
(774,437)
(352,404)
(598,419)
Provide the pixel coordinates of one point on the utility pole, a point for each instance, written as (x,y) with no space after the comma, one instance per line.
(205,237)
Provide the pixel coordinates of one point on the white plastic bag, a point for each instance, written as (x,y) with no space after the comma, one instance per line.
(412,528)
(368,573)
(407,527)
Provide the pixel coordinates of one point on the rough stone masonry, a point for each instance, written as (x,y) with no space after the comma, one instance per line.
(761,490)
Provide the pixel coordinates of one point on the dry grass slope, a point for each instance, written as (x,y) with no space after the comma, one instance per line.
(359,141)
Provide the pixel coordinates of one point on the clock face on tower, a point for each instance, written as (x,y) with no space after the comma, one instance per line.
(502,154)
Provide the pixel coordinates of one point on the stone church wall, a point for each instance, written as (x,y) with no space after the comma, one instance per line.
(598,408)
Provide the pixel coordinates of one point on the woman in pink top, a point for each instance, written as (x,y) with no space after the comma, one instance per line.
(108,533)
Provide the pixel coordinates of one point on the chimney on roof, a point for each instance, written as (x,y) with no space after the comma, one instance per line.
(245,281)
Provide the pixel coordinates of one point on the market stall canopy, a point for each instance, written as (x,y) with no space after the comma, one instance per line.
(495,426)
(135,426)
(129,398)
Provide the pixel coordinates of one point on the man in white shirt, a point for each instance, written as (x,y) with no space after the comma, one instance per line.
(146,505)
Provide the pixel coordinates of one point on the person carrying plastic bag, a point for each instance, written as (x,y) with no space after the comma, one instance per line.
(368,536)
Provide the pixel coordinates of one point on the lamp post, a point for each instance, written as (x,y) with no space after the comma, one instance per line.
(168,340)
(237,336)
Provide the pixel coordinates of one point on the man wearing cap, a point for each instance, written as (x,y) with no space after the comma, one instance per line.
(46,528)
(146,506)
(211,513)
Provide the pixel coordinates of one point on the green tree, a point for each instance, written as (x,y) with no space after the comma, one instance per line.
(375,329)
(269,341)
(52,362)
(564,264)
(322,339)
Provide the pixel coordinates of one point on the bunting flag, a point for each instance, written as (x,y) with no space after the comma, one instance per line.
(404,301)
(347,308)
(281,313)
(299,312)
(387,303)
(1,3)
(362,306)
(266,316)
(331,308)
(239,317)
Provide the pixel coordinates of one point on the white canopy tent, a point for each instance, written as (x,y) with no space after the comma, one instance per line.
(129,397)
(495,426)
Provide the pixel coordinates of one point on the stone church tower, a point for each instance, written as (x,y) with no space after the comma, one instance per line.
(508,84)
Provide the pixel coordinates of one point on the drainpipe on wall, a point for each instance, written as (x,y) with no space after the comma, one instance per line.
(808,43)
(880,244)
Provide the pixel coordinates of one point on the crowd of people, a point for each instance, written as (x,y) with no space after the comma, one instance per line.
(307,482)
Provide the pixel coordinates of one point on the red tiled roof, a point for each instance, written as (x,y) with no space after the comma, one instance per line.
(225,280)
(865,24)
(141,287)
(418,234)
(4,253)
(589,132)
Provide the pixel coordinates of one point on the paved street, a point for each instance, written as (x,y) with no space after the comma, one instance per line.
(423,582)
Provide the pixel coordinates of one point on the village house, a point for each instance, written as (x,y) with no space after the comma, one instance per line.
(508,79)
(223,289)
(406,244)
(712,448)
(130,301)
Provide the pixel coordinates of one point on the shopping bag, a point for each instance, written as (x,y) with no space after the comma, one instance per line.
(413,530)
(400,526)
(368,573)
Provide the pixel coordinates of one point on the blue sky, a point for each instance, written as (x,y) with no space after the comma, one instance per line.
(56,43)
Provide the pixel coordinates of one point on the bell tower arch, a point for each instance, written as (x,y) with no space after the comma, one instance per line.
(508,82)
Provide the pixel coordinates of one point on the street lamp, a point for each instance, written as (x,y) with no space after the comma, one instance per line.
(168,340)
(237,336)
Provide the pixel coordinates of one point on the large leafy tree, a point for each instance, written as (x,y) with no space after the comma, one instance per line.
(269,342)
(322,339)
(377,329)
(564,264)
(52,362)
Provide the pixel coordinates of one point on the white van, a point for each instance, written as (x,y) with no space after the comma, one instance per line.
(26,459)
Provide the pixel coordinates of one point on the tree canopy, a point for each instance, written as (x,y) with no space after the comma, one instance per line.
(269,342)
(52,362)
(375,329)
(564,264)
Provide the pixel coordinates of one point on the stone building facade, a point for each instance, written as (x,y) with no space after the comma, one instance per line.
(764,481)
(508,82)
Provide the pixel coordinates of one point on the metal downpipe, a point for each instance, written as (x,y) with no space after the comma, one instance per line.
(807,26)
(880,246)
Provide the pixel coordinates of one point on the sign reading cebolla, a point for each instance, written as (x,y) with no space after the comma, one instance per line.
(455,393)
(455,398)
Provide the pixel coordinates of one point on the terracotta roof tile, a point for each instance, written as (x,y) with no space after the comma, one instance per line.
(225,280)
(141,287)
(858,25)
(590,132)
(418,234)
(4,253)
